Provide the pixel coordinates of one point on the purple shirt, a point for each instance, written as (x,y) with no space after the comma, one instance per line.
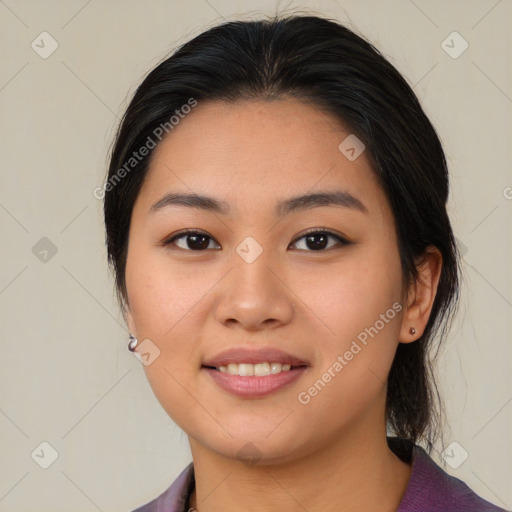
(430,488)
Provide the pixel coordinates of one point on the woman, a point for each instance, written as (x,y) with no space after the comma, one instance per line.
(276,220)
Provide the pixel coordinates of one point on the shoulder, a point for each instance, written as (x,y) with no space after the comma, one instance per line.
(431,489)
(175,497)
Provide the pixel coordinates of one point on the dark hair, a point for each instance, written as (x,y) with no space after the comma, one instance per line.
(321,62)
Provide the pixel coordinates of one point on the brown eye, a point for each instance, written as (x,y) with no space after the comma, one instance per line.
(190,241)
(319,240)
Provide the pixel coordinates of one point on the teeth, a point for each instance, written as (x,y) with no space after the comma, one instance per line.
(259,370)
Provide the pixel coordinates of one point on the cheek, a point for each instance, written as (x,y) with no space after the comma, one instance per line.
(162,306)
(169,304)
(358,303)
(161,294)
(352,294)
(162,301)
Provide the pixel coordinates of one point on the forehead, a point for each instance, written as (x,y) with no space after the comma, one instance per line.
(253,153)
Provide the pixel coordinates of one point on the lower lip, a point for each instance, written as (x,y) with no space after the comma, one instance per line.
(252,386)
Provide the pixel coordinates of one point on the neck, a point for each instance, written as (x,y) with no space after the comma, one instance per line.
(358,473)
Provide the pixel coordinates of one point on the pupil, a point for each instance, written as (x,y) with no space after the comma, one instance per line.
(193,243)
(317,245)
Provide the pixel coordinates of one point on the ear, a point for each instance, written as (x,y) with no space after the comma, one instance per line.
(421,295)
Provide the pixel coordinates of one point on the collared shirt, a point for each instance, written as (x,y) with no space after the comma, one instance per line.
(430,488)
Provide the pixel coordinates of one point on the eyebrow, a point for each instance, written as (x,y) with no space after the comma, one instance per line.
(284,207)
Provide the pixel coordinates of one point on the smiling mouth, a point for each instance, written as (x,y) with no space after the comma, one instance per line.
(258,370)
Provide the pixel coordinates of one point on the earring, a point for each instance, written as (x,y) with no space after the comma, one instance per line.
(132,343)
(412,330)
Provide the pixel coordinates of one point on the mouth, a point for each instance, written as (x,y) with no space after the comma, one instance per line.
(251,381)
(251,372)
(261,369)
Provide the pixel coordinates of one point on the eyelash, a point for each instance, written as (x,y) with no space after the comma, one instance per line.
(313,231)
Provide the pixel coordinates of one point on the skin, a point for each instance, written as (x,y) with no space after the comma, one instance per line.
(313,304)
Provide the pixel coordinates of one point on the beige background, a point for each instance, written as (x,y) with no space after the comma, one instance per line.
(67,377)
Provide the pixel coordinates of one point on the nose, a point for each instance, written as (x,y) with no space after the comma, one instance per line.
(254,296)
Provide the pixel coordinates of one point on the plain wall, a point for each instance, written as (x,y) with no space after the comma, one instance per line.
(67,377)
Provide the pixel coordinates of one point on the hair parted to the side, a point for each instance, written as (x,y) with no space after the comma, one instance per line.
(327,65)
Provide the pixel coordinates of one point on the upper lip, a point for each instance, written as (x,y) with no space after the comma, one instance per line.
(254,356)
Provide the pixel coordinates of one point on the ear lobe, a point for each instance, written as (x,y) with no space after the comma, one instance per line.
(421,296)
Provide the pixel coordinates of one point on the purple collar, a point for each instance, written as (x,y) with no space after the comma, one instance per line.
(430,488)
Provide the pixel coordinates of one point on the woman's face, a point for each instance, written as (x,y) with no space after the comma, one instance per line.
(251,279)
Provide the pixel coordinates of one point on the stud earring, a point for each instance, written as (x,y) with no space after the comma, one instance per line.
(132,343)
(412,330)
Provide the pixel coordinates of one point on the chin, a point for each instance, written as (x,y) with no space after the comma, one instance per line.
(254,447)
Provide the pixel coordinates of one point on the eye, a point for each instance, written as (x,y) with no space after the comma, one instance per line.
(318,239)
(191,240)
(315,240)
